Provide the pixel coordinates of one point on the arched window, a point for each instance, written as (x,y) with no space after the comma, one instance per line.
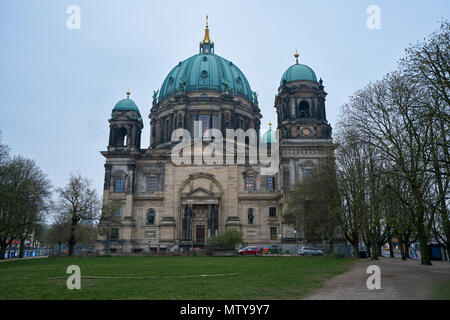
(214,121)
(150,217)
(251,216)
(204,123)
(303,109)
(121,137)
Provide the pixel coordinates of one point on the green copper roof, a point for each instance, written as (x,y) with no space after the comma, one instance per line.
(298,72)
(269,137)
(127,105)
(206,72)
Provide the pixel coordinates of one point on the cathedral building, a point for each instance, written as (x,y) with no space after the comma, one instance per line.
(156,205)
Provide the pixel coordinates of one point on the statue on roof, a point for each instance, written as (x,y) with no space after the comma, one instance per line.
(155,95)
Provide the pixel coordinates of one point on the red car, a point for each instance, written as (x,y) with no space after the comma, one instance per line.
(250,250)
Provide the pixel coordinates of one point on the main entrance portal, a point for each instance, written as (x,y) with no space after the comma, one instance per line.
(199,222)
(200,234)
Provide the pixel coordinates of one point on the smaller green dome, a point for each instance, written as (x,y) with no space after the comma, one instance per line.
(127,105)
(298,72)
(269,137)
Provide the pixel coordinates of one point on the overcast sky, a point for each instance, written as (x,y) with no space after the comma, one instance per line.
(58,86)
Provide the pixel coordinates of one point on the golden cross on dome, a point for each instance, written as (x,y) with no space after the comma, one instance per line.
(207,39)
(296,55)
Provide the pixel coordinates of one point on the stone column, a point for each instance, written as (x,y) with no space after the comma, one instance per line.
(292,107)
(291,172)
(130,189)
(151,128)
(107,182)
(210,220)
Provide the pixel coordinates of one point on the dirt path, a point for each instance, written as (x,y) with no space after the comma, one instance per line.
(399,280)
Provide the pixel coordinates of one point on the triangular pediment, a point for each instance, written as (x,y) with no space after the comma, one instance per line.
(200,192)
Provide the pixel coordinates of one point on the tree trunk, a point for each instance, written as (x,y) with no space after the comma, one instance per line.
(21,248)
(330,245)
(407,245)
(355,250)
(425,258)
(401,244)
(2,252)
(72,241)
(374,251)
(369,252)
(391,250)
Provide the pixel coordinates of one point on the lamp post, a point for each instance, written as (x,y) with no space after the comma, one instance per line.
(296,243)
(281,243)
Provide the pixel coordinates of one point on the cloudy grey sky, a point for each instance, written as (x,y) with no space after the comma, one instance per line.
(58,86)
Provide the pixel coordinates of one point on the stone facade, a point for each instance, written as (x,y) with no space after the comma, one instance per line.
(158,204)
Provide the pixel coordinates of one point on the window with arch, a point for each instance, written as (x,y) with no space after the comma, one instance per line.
(204,123)
(308,169)
(251,216)
(167,130)
(122,137)
(214,121)
(151,215)
(303,109)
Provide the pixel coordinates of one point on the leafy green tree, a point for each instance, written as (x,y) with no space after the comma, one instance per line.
(24,199)
(228,239)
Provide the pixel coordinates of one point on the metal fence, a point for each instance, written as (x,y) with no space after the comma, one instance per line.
(27,253)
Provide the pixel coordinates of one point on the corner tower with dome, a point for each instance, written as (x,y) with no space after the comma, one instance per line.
(153,205)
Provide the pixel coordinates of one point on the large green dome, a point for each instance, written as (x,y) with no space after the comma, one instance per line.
(298,72)
(206,72)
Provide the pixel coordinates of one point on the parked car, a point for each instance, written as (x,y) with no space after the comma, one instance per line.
(250,250)
(310,251)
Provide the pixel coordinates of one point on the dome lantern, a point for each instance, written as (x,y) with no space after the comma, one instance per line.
(206,45)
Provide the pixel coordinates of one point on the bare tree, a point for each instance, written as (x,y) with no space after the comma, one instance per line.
(426,65)
(351,183)
(387,112)
(314,204)
(78,202)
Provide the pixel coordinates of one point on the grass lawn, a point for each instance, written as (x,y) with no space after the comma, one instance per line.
(441,291)
(173,277)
